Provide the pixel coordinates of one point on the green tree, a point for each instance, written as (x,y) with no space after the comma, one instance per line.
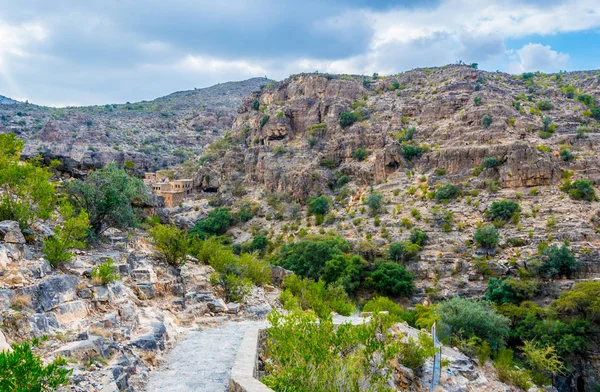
(374,202)
(509,290)
(318,205)
(403,252)
(579,190)
(543,361)
(418,237)
(173,243)
(447,192)
(583,299)
(68,235)
(110,196)
(256,105)
(216,223)
(345,270)
(557,262)
(26,192)
(392,279)
(409,152)
(347,119)
(504,209)
(308,257)
(259,243)
(545,104)
(23,371)
(469,318)
(486,236)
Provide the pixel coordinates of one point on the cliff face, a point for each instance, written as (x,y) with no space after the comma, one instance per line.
(493,135)
(154,134)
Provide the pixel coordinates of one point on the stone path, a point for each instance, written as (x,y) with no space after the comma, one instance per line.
(201,361)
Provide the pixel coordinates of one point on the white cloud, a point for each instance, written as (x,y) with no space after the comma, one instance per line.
(538,57)
(199,63)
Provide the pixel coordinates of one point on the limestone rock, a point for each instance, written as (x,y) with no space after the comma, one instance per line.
(10,232)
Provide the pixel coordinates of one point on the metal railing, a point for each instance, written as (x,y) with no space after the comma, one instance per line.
(437,360)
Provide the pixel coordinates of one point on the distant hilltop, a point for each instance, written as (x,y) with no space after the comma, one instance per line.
(6,100)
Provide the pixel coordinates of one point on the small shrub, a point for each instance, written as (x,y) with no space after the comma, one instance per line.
(447,192)
(384,304)
(477,100)
(566,155)
(544,105)
(173,243)
(486,120)
(347,119)
(418,237)
(579,190)
(216,223)
(504,209)
(409,152)
(403,251)
(486,236)
(22,370)
(256,105)
(264,120)
(70,234)
(105,272)
(360,154)
(491,162)
(374,202)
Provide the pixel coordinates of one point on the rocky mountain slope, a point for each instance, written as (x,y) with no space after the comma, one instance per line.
(495,136)
(153,134)
(6,100)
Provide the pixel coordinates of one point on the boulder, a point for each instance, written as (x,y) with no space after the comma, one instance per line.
(218,306)
(56,290)
(10,232)
(154,340)
(69,312)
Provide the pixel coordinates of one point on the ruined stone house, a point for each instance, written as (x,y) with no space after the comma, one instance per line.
(173,191)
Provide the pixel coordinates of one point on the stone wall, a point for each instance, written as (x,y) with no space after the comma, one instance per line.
(244,368)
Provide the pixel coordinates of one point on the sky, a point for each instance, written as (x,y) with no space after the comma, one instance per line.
(61,53)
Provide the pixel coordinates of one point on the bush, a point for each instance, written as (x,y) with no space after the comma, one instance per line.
(477,100)
(308,257)
(344,270)
(26,192)
(509,290)
(104,273)
(384,304)
(347,119)
(468,318)
(264,120)
(409,152)
(414,354)
(486,236)
(491,162)
(403,251)
(68,235)
(418,236)
(360,154)
(406,134)
(566,155)
(318,296)
(328,357)
(486,120)
(543,362)
(579,190)
(583,299)
(504,209)
(21,370)
(556,262)
(544,105)
(110,196)
(566,337)
(447,192)
(374,202)
(318,205)
(256,105)
(259,243)
(173,243)
(586,99)
(216,223)
(392,279)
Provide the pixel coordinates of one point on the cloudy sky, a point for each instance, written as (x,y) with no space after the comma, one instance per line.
(110,51)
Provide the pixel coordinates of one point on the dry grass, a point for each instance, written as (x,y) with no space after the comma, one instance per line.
(21,301)
(100,331)
(149,359)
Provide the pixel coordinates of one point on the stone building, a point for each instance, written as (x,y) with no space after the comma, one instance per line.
(173,191)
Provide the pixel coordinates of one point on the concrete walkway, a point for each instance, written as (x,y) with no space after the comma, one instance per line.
(201,361)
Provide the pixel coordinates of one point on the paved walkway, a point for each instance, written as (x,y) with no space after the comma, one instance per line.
(201,361)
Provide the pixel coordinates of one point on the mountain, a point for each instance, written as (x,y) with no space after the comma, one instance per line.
(153,134)
(446,150)
(7,101)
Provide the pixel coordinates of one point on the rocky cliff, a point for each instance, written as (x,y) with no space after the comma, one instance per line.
(154,134)
(495,136)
